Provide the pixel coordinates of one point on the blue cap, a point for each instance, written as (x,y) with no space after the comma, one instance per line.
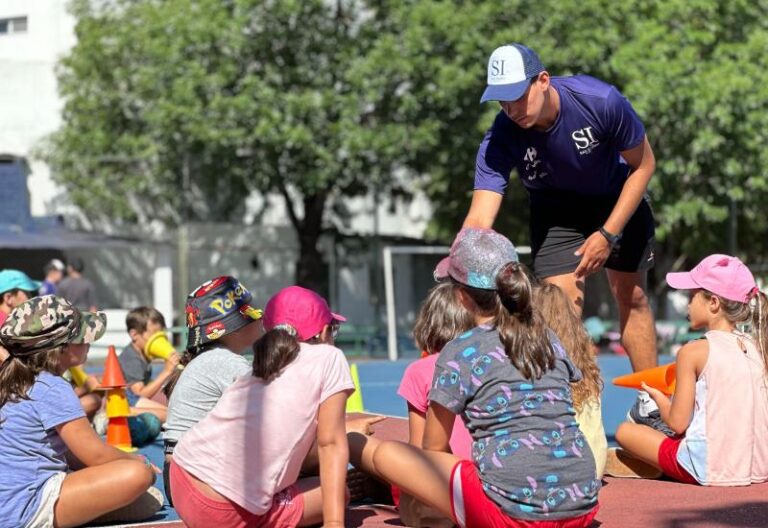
(510,70)
(11,279)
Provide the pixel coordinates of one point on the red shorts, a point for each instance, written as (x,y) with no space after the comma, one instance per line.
(472,507)
(669,464)
(198,510)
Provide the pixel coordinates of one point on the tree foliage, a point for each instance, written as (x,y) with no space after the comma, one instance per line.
(177,109)
(695,71)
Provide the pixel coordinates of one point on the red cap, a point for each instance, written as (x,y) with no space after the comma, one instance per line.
(300,308)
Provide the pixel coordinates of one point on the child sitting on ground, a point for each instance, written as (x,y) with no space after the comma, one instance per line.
(222,326)
(142,323)
(557,310)
(509,379)
(43,430)
(440,319)
(240,465)
(720,405)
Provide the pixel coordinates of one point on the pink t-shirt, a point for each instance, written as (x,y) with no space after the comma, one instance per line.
(415,386)
(252,444)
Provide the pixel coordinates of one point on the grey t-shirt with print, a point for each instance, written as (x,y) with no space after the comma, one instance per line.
(530,455)
(199,388)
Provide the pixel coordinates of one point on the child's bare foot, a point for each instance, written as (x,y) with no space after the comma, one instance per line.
(620,464)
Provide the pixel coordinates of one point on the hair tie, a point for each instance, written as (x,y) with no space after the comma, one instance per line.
(285,327)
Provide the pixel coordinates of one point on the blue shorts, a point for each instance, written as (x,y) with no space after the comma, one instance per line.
(132,397)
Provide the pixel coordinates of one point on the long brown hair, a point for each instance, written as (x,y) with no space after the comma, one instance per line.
(187,356)
(441,318)
(274,351)
(558,312)
(18,373)
(522,330)
(754,312)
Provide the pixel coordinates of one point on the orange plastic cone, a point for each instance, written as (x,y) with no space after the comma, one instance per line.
(113,374)
(663,378)
(158,346)
(119,435)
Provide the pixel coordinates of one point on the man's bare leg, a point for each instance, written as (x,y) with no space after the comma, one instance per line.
(638,332)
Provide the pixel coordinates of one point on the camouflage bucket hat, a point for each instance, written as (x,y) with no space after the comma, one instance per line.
(42,323)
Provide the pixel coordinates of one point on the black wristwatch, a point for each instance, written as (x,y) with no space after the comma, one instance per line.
(610,237)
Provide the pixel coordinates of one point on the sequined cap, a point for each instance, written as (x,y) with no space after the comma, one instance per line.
(476,257)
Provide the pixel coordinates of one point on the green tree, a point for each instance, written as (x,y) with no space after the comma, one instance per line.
(695,71)
(175,111)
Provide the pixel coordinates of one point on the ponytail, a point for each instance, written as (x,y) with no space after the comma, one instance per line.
(274,351)
(760,325)
(521,328)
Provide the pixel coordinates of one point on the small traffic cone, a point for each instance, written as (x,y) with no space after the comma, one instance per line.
(117,404)
(663,378)
(113,374)
(118,410)
(119,434)
(355,401)
(158,346)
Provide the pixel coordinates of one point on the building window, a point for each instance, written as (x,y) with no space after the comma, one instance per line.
(13,25)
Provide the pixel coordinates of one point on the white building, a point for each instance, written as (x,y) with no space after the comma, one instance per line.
(34,34)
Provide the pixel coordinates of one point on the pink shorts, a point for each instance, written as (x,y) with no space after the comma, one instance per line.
(669,464)
(198,510)
(472,507)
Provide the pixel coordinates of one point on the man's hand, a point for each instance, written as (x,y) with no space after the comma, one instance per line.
(593,252)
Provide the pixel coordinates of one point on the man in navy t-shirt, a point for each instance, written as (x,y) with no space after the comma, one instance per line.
(581,152)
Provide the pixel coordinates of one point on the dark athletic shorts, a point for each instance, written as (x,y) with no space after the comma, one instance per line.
(560,224)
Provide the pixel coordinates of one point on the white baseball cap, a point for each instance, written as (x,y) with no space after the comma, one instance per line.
(510,70)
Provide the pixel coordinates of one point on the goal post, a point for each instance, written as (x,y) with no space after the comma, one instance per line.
(389,285)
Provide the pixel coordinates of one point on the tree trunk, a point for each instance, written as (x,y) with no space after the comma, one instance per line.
(311,269)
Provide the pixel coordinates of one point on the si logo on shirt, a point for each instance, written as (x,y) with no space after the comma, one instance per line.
(585,140)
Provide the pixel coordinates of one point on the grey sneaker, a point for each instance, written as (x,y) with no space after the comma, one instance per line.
(652,419)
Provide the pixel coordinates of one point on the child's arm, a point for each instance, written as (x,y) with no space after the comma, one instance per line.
(437,431)
(677,412)
(417,421)
(85,445)
(333,452)
(154,386)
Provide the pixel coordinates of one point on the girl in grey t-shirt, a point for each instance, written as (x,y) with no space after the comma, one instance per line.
(509,379)
(221,325)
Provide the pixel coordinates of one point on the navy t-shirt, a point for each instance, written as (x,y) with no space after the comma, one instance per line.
(579,153)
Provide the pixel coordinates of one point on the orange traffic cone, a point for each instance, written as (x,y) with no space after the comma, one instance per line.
(113,374)
(663,378)
(118,432)
(119,435)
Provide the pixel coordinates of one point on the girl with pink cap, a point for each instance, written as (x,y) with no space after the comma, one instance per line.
(239,466)
(720,407)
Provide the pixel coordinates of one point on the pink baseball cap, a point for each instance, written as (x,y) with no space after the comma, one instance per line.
(304,310)
(722,275)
